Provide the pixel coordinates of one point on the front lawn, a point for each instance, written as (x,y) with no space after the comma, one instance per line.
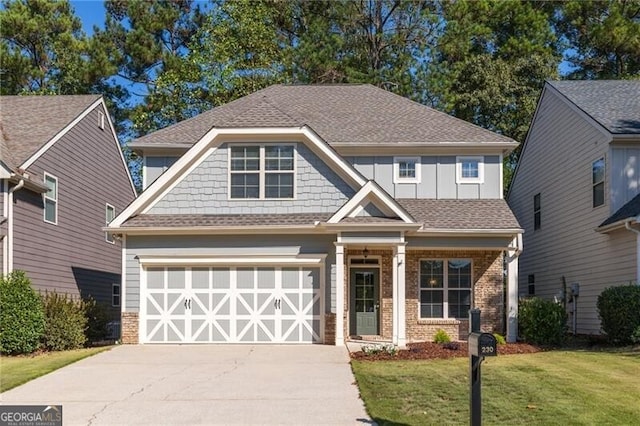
(16,370)
(559,387)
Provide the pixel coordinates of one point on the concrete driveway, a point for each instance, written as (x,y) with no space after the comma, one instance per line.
(190,384)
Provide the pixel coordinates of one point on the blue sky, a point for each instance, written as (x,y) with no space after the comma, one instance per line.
(90,12)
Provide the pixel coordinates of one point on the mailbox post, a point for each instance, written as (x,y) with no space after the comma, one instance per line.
(480,345)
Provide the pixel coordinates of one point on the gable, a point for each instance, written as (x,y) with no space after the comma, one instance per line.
(205,190)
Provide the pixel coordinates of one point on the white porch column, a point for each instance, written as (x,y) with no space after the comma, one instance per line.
(512,293)
(399,297)
(340,278)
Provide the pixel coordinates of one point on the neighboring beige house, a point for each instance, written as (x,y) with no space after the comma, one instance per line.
(576,193)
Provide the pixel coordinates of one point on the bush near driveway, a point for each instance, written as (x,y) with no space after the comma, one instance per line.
(619,311)
(21,315)
(65,322)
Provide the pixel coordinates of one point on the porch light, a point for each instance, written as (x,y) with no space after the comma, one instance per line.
(365,252)
(433,282)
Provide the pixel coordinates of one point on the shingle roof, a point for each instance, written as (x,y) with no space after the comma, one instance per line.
(434,214)
(223,221)
(629,210)
(29,122)
(487,214)
(615,104)
(340,114)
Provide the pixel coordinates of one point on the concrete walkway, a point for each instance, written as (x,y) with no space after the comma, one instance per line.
(209,384)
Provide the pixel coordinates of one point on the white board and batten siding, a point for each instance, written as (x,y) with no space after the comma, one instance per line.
(557,163)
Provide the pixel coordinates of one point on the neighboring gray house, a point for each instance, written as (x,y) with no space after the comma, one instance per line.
(576,192)
(314,214)
(63,177)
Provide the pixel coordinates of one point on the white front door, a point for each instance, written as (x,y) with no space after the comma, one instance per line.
(230,304)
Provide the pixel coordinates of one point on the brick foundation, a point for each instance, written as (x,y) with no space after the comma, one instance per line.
(129,333)
(330,329)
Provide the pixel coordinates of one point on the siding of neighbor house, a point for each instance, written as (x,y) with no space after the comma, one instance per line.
(205,190)
(556,163)
(438,177)
(625,175)
(185,245)
(154,166)
(90,174)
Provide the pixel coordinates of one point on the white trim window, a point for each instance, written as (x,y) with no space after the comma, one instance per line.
(470,169)
(101,120)
(597,181)
(50,199)
(445,288)
(406,169)
(537,212)
(115,295)
(109,215)
(262,172)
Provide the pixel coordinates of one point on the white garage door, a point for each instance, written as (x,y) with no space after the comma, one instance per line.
(230,304)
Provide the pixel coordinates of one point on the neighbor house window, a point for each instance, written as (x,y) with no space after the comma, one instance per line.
(406,170)
(445,288)
(536,211)
(51,199)
(115,295)
(110,213)
(531,281)
(469,169)
(101,120)
(597,178)
(265,171)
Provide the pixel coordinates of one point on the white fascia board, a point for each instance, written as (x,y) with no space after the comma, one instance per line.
(380,227)
(207,145)
(115,138)
(60,134)
(269,259)
(469,232)
(366,192)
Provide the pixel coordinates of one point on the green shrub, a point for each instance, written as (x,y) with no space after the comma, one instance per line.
(542,322)
(635,336)
(97,320)
(500,339)
(441,336)
(65,322)
(21,316)
(619,311)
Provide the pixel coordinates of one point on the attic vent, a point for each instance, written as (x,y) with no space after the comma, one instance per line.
(101,120)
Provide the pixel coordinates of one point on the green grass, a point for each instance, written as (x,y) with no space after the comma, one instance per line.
(16,370)
(547,388)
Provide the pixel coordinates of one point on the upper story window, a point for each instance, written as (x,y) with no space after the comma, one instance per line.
(469,169)
(406,170)
(597,180)
(262,172)
(445,288)
(51,199)
(110,213)
(537,209)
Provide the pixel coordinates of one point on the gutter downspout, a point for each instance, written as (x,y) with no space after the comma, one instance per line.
(627,224)
(9,253)
(512,289)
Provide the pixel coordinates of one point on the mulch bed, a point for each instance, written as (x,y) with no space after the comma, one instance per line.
(429,350)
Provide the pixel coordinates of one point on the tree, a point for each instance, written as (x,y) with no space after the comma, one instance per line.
(151,51)
(602,37)
(44,50)
(491,62)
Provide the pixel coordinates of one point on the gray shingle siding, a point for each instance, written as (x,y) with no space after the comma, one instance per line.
(73,256)
(205,189)
(202,245)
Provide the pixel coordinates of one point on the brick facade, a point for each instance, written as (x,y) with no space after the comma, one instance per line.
(129,333)
(487,294)
(330,329)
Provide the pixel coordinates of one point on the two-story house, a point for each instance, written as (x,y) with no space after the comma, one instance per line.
(576,192)
(63,178)
(316,214)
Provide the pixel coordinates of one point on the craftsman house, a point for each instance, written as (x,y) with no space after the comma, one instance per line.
(576,192)
(62,179)
(315,214)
